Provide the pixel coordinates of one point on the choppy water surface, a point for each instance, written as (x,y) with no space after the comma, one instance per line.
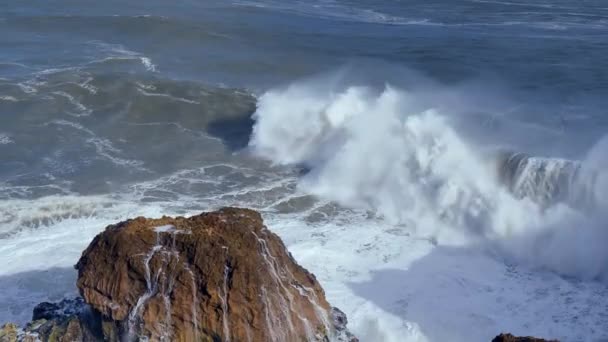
(438,165)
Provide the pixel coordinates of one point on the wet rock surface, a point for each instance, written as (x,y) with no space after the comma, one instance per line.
(218,276)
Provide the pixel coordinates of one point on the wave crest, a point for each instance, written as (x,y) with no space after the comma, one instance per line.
(376,150)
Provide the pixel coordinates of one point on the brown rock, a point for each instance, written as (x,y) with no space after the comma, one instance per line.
(511,338)
(218,276)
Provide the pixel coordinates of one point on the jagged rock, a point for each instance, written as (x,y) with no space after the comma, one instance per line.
(218,276)
(511,338)
(340,321)
(67,321)
(63,310)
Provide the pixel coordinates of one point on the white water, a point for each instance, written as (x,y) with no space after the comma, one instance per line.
(379,150)
(453,249)
(160,282)
(279,305)
(366,149)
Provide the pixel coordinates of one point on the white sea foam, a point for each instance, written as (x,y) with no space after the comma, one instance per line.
(397,287)
(169,96)
(5,139)
(147,62)
(26,88)
(103,146)
(367,149)
(332,10)
(8,98)
(119,52)
(81,109)
(46,238)
(169,228)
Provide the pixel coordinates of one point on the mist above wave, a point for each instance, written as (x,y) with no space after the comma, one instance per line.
(383,149)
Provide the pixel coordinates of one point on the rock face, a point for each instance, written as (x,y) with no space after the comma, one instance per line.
(219,276)
(511,338)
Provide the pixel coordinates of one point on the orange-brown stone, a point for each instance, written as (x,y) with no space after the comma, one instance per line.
(216,276)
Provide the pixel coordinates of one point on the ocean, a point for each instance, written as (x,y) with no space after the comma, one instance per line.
(440,166)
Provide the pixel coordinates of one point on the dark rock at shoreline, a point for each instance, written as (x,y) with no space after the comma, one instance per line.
(59,311)
(511,338)
(65,321)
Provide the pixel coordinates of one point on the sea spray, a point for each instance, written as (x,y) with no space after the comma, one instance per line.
(284,300)
(195,302)
(160,282)
(379,149)
(224,300)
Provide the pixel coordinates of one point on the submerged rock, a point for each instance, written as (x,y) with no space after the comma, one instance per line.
(511,338)
(218,276)
(340,322)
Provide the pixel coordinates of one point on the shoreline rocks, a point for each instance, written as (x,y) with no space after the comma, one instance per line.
(65,321)
(219,276)
(512,338)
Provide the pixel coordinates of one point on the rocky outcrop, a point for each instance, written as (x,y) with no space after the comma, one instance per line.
(66,321)
(511,338)
(218,276)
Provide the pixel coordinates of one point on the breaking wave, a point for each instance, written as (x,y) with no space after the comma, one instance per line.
(376,149)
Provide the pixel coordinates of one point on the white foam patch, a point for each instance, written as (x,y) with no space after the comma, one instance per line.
(333,10)
(81,110)
(47,238)
(147,62)
(394,286)
(119,52)
(470,254)
(8,98)
(168,96)
(5,139)
(103,146)
(169,228)
(26,88)
(367,149)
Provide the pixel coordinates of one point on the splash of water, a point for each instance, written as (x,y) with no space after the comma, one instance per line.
(283,278)
(384,151)
(224,300)
(195,302)
(160,282)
